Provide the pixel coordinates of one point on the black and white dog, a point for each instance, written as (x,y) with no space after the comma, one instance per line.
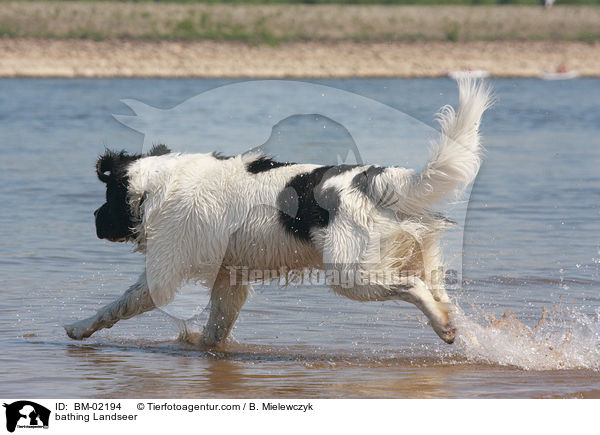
(201,216)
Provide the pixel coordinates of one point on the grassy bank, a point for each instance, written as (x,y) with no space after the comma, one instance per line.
(273,24)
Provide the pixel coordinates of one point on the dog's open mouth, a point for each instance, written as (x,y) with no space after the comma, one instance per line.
(119,240)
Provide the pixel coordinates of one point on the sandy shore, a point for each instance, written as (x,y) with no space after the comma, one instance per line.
(84,58)
(150,39)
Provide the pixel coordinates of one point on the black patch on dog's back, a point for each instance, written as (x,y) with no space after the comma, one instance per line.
(316,206)
(263,164)
(219,156)
(159,150)
(363,180)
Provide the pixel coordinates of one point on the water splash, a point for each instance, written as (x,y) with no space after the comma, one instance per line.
(563,338)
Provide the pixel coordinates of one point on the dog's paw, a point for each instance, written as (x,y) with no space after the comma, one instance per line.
(77,330)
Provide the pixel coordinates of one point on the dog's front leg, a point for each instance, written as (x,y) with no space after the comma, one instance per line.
(226,300)
(136,300)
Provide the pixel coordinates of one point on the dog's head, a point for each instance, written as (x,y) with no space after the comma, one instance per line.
(114,219)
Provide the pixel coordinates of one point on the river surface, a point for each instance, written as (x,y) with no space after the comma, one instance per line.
(527,310)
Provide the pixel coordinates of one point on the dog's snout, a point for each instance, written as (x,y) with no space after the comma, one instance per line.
(99,223)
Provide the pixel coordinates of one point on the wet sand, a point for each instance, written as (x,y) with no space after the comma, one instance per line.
(24,57)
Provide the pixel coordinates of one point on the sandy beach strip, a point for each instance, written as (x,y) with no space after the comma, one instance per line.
(21,57)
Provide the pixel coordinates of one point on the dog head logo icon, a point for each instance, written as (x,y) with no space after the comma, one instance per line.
(26,414)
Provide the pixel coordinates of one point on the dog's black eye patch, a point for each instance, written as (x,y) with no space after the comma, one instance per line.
(263,164)
(304,204)
(105,166)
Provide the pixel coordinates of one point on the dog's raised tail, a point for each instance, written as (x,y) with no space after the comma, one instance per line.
(456,158)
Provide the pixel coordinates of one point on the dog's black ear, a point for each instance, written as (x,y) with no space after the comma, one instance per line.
(159,150)
(107,164)
(112,165)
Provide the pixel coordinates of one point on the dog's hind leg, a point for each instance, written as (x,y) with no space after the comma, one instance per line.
(136,300)
(410,289)
(226,301)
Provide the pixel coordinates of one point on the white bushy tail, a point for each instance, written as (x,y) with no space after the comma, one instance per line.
(455,159)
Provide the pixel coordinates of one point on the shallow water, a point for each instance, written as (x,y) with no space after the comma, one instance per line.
(527,311)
